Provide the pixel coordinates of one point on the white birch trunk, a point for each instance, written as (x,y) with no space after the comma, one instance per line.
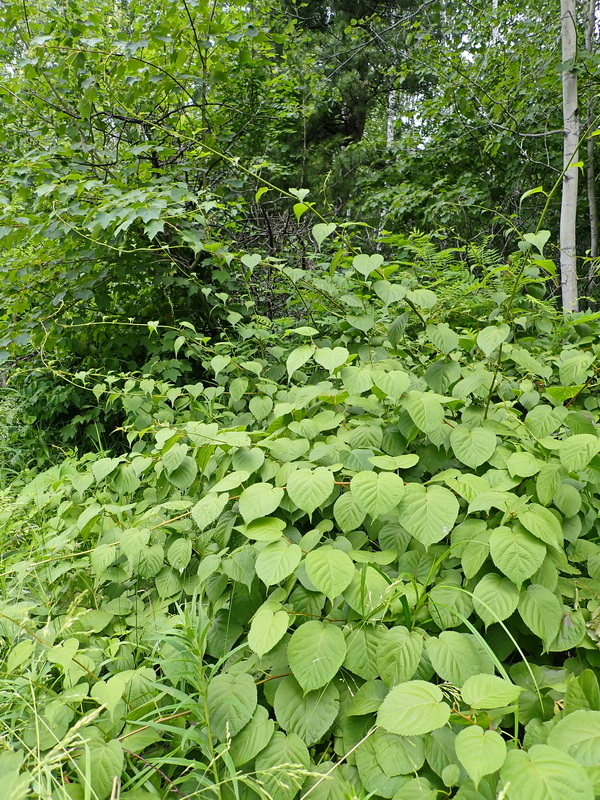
(568,211)
(391,119)
(590,172)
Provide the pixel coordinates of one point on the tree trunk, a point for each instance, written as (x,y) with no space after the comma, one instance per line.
(391,119)
(568,211)
(590,171)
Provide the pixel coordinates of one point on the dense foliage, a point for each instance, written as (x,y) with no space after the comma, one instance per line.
(295,503)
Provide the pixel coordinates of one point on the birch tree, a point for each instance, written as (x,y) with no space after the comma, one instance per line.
(568,211)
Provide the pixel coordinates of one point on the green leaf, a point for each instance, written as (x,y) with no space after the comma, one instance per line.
(398,655)
(260,407)
(282,765)
(570,632)
(265,529)
(442,337)
(106,762)
(576,452)
(309,715)
(495,598)
(541,611)
(315,653)
(179,553)
(298,357)
(329,570)
(543,524)
(472,446)
(368,698)
(413,708)
(548,480)
(490,338)
(456,657)
(489,691)
(309,488)
(276,561)
(322,230)
(362,643)
(366,264)
(523,465)
(480,752)
(578,735)
(348,513)
(544,773)
(259,500)
(393,383)
(367,591)
(429,513)
(268,626)
(185,474)
(232,699)
(377,493)
(425,411)
(331,359)
(253,738)
(209,509)
(516,553)
(384,758)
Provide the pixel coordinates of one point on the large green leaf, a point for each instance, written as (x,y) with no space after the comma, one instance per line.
(330,358)
(377,493)
(330,570)
(268,626)
(578,734)
(394,383)
(310,714)
(398,655)
(106,762)
(456,657)
(429,513)
(282,765)
(315,653)
(473,446)
(413,708)
(231,702)
(309,488)
(480,752)
(542,523)
(495,598)
(516,553)
(367,591)
(541,611)
(276,561)
(490,338)
(253,737)
(489,691)
(544,773)
(259,500)
(361,656)
(425,410)
(576,452)
(348,514)
(383,758)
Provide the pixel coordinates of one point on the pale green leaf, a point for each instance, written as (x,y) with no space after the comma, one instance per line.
(330,570)
(429,513)
(480,752)
(413,708)
(489,691)
(315,652)
(309,488)
(377,493)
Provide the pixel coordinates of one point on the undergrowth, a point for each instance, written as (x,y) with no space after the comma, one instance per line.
(350,551)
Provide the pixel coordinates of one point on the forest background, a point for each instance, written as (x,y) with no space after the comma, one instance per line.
(299,472)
